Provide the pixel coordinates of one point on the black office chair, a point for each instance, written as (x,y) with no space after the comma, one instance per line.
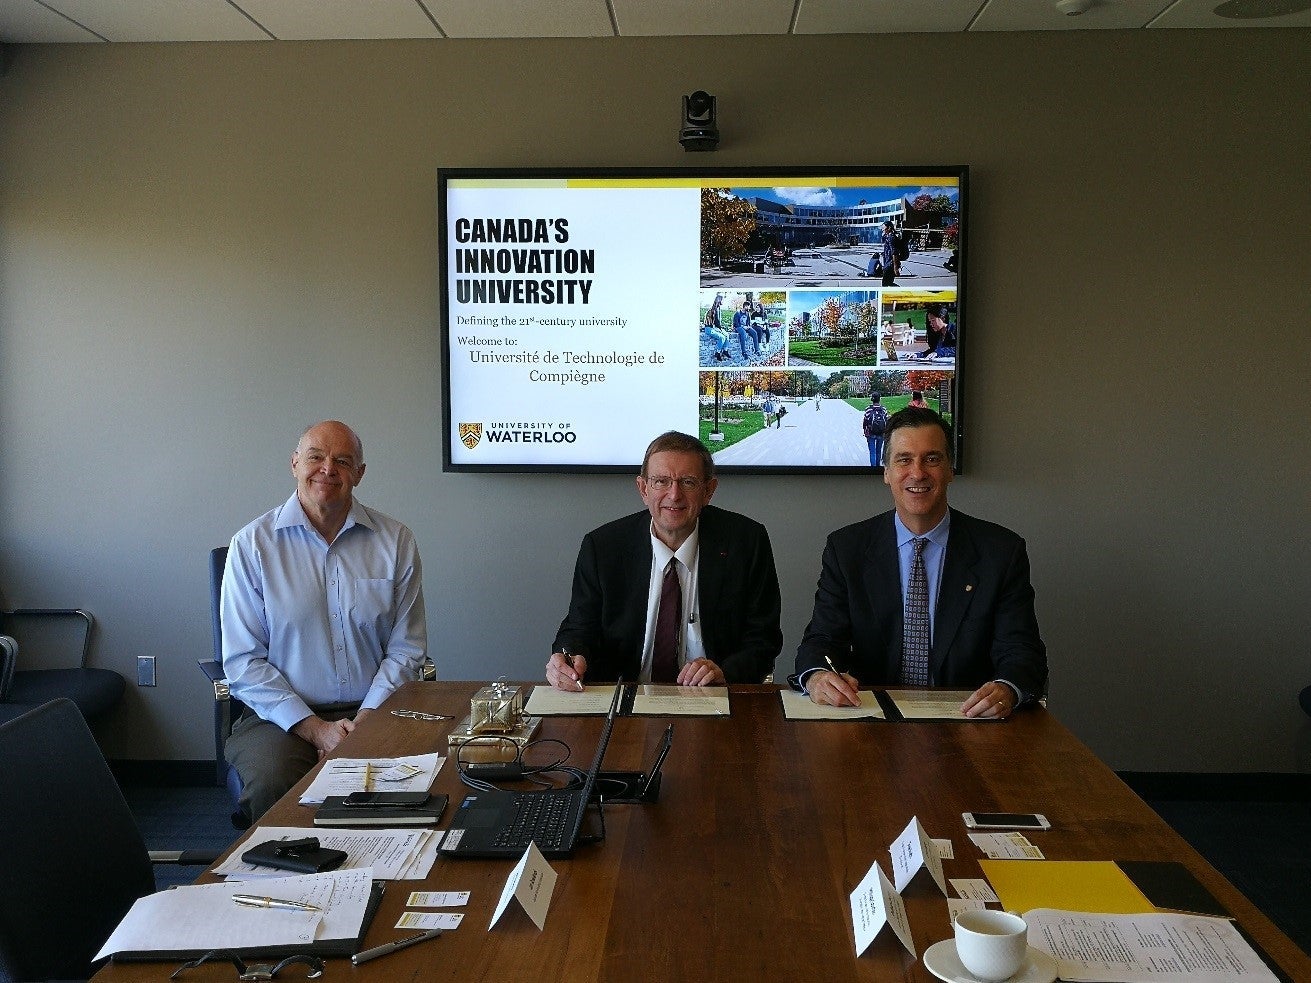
(93,690)
(74,860)
(227,709)
(8,660)
(1305,699)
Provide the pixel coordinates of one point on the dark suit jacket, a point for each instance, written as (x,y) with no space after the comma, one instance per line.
(737,586)
(984,626)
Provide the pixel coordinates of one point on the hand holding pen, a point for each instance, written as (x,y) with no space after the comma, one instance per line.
(565,671)
(832,687)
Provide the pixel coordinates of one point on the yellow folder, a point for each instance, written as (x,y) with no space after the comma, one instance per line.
(1068,885)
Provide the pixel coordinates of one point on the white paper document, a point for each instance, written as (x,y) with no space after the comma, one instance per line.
(798,706)
(957,905)
(342,776)
(200,917)
(931,704)
(394,854)
(437,899)
(975,888)
(547,701)
(653,700)
(1145,948)
(876,903)
(531,883)
(912,850)
(428,920)
(1006,846)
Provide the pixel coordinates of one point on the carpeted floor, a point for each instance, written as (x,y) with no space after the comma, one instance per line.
(1263,848)
(181,818)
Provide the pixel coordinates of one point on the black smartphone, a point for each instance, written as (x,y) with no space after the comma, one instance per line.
(387,798)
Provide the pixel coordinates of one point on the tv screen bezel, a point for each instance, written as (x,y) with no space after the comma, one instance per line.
(956,172)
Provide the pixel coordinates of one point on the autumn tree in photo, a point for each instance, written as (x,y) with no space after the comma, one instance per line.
(727,222)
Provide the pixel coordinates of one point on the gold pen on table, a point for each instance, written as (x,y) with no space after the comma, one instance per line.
(367,769)
(255,901)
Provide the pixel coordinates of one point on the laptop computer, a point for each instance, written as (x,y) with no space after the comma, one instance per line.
(503,823)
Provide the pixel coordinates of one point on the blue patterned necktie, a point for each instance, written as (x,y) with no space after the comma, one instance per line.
(915,635)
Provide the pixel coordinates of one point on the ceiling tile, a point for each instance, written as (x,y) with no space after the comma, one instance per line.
(309,20)
(28,22)
(686,18)
(885,16)
(522,18)
(1200,13)
(1042,15)
(162,20)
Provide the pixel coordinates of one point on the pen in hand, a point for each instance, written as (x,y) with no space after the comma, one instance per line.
(255,901)
(569,661)
(837,672)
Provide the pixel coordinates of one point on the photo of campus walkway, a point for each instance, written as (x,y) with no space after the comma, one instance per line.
(826,266)
(830,436)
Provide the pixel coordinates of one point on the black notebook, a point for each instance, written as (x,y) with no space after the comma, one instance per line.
(502,823)
(334,812)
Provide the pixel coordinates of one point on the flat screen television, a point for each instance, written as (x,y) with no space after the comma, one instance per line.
(586,311)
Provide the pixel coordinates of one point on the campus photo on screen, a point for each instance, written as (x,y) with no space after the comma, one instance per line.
(780,316)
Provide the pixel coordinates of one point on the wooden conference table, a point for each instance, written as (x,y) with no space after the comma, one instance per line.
(743,869)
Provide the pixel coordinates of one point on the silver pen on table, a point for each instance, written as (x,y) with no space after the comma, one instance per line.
(382,950)
(255,901)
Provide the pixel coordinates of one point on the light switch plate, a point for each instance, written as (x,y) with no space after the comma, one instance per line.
(145,670)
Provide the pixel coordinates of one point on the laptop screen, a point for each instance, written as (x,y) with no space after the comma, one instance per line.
(600,754)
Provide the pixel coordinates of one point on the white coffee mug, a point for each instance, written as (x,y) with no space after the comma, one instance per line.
(992,945)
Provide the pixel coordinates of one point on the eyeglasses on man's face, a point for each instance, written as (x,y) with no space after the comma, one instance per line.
(663,482)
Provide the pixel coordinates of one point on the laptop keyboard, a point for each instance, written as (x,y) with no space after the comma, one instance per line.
(542,817)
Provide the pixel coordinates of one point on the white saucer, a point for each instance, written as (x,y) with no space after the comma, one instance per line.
(942,961)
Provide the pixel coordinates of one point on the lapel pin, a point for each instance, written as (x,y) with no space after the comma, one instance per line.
(968,588)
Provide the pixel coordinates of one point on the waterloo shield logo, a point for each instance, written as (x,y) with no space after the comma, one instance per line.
(470,434)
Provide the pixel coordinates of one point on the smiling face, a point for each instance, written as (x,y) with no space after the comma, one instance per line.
(328,465)
(918,471)
(674,508)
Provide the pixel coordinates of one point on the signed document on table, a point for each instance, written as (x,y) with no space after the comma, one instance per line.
(798,706)
(654,700)
(547,701)
(933,704)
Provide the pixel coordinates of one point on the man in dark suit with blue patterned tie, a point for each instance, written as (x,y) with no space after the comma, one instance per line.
(924,594)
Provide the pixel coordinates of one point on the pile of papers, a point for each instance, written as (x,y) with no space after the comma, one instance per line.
(392,854)
(342,776)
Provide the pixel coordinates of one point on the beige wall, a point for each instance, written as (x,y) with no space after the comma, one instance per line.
(204,247)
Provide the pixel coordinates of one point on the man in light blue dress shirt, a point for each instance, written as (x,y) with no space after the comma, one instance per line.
(322,616)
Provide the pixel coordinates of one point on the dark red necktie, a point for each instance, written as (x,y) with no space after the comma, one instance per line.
(664,657)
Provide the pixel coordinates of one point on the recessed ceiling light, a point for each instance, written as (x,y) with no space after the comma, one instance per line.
(1255,9)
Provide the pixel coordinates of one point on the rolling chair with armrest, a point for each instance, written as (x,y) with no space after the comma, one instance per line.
(227,709)
(94,691)
(74,860)
(8,659)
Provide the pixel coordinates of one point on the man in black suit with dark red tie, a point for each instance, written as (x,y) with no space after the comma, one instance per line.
(683,592)
(924,594)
